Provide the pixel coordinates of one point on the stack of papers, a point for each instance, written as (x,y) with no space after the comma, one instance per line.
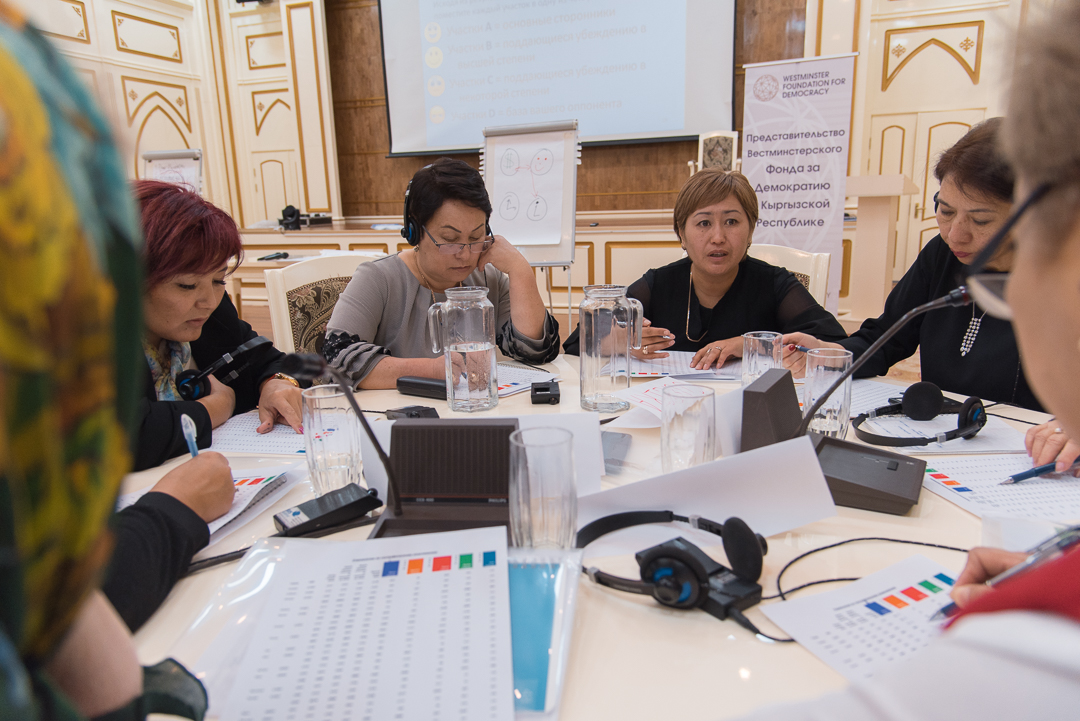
(677,363)
(974,484)
(997,436)
(238,435)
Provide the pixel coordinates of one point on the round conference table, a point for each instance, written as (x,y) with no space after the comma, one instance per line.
(631,658)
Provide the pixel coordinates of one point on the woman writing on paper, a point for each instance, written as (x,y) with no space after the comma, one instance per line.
(190,322)
(378,331)
(706,301)
(1013,653)
(963,350)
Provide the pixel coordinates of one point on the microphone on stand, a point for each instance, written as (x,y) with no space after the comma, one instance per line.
(308,366)
(957,298)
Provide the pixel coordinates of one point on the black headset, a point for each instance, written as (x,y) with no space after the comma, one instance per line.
(921,402)
(411,230)
(193,384)
(678,573)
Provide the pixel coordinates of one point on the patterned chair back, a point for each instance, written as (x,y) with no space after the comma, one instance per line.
(310,307)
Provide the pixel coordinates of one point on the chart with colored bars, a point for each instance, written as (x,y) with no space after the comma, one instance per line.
(416,627)
(974,484)
(239,435)
(875,621)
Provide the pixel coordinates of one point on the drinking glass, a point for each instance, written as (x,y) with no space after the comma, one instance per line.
(462,328)
(543,492)
(331,438)
(761,351)
(823,367)
(610,327)
(688,427)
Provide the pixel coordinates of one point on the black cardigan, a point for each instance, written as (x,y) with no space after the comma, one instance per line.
(991,370)
(762,297)
(160,436)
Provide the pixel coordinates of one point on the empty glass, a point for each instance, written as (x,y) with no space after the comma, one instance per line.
(761,351)
(331,438)
(688,427)
(543,490)
(463,328)
(823,367)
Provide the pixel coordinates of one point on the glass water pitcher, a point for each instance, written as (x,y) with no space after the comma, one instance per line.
(610,326)
(463,329)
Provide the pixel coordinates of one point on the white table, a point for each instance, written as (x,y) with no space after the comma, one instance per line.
(631,658)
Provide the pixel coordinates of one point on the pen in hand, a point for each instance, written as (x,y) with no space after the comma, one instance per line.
(1036,472)
(190,434)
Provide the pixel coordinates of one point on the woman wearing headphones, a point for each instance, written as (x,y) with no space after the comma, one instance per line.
(378,331)
(706,301)
(189,322)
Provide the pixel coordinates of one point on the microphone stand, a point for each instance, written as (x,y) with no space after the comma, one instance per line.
(956,298)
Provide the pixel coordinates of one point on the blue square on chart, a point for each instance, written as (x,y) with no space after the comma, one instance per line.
(962,489)
(489,558)
(390,568)
(944,579)
(877,608)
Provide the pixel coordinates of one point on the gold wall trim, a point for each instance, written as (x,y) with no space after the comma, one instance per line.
(223,90)
(384,247)
(118,18)
(248,42)
(360,103)
(83,36)
(611,244)
(262,179)
(296,93)
(353,5)
(881,149)
(142,127)
(184,115)
(255,108)
(630,192)
(820,20)
(930,166)
(973,72)
(590,265)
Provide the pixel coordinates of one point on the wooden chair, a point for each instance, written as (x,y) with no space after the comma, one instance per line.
(303,296)
(812,269)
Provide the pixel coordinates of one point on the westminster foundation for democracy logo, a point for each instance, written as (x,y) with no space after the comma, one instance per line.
(766,88)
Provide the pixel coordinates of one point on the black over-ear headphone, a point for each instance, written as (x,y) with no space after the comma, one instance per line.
(193,385)
(921,402)
(411,230)
(678,573)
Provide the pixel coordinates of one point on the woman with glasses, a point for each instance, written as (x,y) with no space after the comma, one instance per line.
(963,349)
(378,330)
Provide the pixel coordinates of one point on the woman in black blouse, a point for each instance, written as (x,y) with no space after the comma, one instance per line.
(706,301)
(962,350)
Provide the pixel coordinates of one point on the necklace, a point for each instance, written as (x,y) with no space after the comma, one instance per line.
(971,333)
(688,294)
(423,278)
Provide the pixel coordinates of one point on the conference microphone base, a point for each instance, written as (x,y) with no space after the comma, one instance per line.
(861,476)
(419,518)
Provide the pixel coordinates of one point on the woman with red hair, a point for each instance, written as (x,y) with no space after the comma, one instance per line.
(190,322)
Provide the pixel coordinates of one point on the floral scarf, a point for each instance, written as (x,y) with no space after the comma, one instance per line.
(165,377)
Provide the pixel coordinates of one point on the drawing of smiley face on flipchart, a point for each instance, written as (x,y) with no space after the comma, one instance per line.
(435,86)
(433,57)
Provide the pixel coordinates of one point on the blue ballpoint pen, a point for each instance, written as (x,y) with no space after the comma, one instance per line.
(1048,550)
(1035,472)
(190,434)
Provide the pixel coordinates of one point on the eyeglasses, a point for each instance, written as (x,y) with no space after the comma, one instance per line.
(988,289)
(454,248)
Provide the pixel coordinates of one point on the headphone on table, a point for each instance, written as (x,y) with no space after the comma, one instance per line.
(411,230)
(921,402)
(195,384)
(678,574)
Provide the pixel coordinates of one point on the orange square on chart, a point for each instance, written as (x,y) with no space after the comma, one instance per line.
(416,565)
(950,483)
(442,563)
(895,601)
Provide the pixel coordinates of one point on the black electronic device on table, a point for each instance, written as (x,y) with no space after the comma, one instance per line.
(546,392)
(451,474)
(411,412)
(859,476)
(423,387)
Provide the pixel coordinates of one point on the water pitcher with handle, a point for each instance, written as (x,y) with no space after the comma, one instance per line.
(463,329)
(610,327)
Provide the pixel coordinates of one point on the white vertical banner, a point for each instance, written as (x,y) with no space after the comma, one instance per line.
(796,121)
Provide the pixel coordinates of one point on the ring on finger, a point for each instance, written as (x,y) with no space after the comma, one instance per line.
(1058,430)
(646,349)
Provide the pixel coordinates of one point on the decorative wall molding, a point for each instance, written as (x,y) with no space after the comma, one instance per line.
(150,38)
(139,91)
(142,127)
(265,50)
(69,21)
(310,123)
(263,105)
(956,39)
